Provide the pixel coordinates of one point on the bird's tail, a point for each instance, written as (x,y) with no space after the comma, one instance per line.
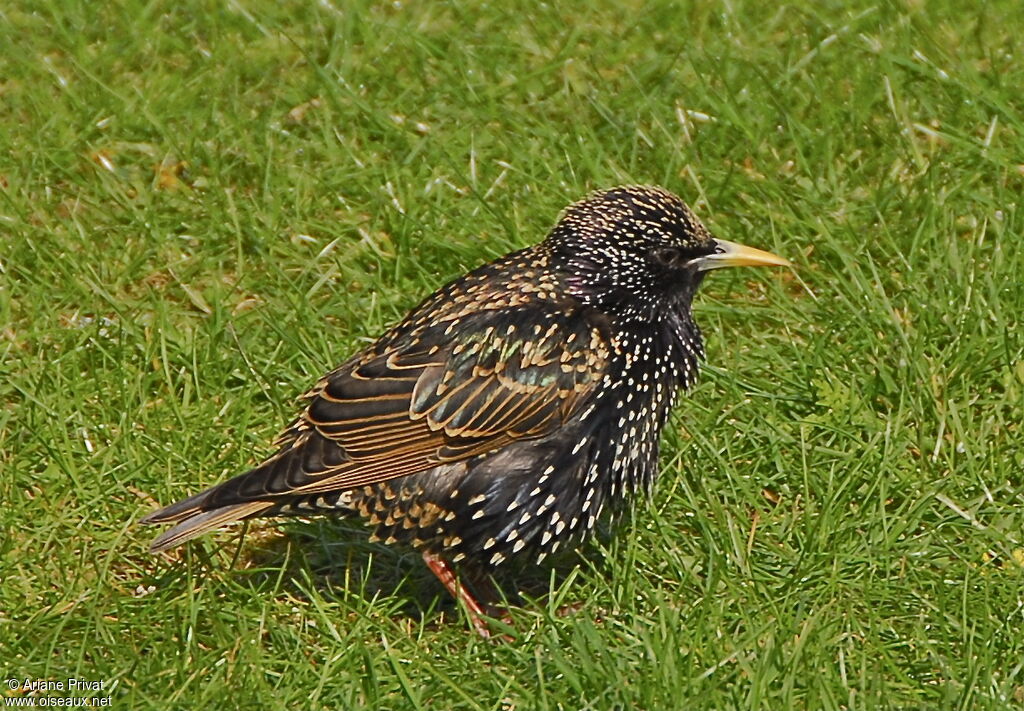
(278,486)
(267,490)
(192,522)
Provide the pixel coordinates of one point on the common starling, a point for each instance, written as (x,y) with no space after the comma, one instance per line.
(512,407)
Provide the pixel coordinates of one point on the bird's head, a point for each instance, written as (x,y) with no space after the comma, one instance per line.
(633,251)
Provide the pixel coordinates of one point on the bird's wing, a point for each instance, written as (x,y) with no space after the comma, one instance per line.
(455,390)
(441,393)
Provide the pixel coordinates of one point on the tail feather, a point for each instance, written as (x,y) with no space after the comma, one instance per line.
(179,510)
(265,490)
(197,524)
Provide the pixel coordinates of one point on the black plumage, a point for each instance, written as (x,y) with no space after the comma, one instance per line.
(512,407)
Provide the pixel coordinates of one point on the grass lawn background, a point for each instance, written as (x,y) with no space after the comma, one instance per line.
(204,205)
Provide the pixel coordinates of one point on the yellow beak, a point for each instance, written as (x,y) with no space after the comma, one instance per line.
(731,254)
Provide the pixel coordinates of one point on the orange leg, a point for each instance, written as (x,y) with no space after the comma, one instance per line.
(439,567)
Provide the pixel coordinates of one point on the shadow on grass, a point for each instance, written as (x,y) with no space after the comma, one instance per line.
(334,560)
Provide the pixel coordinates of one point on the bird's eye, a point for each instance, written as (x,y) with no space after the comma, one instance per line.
(676,257)
(667,256)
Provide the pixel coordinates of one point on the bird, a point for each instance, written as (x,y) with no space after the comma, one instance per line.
(509,410)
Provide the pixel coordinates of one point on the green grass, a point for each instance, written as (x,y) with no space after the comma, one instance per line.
(203,205)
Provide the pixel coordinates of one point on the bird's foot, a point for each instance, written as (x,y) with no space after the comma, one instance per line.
(569,609)
(478,613)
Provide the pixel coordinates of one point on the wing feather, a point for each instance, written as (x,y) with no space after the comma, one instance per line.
(419,399)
